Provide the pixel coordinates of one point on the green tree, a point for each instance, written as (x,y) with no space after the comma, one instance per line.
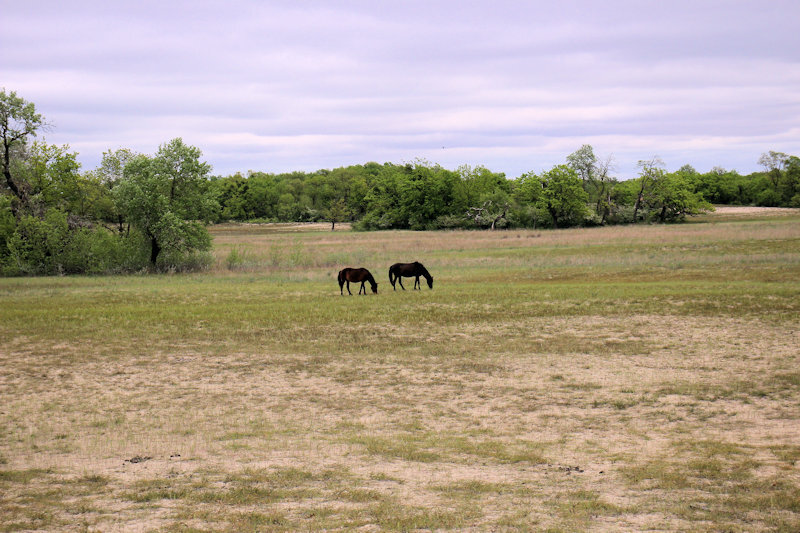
(337,212)
(775,164)
(167,198)
(595,179)
(584,163)
(651,171)
(563,196)
(787,184)
(108,175)
(671,198)
(53,181)
(19,121)
(528,188)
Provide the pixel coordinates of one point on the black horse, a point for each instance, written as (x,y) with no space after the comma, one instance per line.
(409,270)
(346,275)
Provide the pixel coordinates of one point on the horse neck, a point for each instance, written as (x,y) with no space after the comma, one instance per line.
(424,272)
(370,279)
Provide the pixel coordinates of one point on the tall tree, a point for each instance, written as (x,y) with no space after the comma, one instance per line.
(651,171)
(584,163)
(563,196)
(108,175)
(19,121)
(594,174)
(337,212)
(671,197)
(774,164)
(167,198)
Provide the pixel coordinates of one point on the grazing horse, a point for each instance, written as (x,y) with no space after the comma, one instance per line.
(346,275)
(409,270)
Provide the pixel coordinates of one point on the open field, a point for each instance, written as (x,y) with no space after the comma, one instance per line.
(607,379)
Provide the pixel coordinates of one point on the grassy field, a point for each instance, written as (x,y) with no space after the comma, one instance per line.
(607,379)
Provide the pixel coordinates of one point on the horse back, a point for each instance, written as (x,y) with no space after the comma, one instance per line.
(404,269)
(355,274)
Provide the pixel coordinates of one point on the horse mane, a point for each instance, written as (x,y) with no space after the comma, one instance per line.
(423,270)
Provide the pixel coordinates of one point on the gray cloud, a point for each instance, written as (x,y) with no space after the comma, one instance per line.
(513,85)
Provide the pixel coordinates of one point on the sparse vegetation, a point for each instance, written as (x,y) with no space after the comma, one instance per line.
(626,379)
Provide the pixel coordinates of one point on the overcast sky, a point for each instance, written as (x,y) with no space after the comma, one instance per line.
(515,86)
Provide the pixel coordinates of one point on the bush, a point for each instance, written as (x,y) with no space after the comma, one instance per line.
(452,222)
(49,246)
(100,251)
(768,198)
(621,215)
(37,245)
(526,216)
(372,221)
(179,261)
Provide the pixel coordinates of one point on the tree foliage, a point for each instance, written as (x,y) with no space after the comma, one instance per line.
(19,122)
(165,198)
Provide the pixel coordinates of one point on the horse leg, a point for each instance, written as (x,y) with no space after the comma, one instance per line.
(348,288)
(399,279)
(416,283)
(363,288)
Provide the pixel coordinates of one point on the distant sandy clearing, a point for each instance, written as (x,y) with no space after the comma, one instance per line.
(751,210)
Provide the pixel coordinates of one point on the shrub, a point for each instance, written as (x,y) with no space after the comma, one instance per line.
(36,246)
(184,261)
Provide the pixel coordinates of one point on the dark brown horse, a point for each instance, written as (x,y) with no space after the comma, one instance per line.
(409,270)
(346,275)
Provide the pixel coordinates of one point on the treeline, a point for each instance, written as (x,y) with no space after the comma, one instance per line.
(149,212)
(422,196)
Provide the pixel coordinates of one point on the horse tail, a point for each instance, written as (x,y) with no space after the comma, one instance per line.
(391,274)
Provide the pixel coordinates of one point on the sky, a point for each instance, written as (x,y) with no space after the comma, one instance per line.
(515,86)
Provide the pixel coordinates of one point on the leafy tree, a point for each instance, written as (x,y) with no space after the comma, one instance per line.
(232,195)
(719,186)
(474,184)
(789,183)
(775,164)
(651,171)
(52,180)
(8,226)
(106,177)
(167,198)
(595,178)
(528,188)
(337,212)
(563,196)
(773,160)
(672,197)
(584,163)
(19,121)
(262,195)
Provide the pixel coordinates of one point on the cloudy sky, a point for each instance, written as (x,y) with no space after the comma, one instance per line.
(512,85)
